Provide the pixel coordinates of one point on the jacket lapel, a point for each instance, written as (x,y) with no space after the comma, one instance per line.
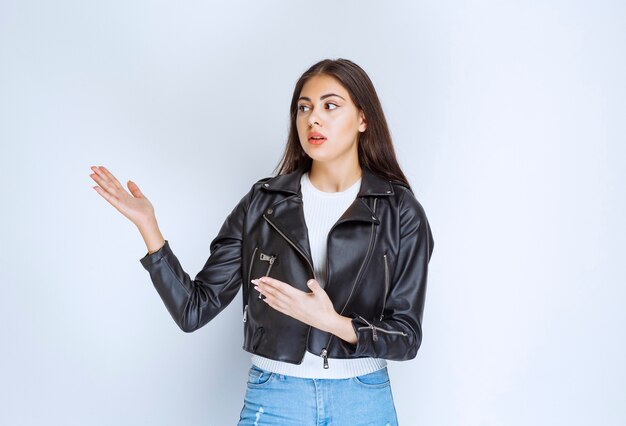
(371,184)
(287,215)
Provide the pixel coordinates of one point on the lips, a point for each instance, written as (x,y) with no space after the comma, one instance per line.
(316,138)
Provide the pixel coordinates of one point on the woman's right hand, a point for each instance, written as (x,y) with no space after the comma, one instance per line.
(135,206)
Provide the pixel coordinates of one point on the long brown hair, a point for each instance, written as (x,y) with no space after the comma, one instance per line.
(375,148)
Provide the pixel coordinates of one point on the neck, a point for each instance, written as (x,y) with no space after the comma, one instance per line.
(332,178)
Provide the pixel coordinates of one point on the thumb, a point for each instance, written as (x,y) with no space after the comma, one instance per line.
(313,285)
(134,189)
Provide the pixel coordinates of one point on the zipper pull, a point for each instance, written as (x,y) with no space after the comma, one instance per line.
(374,335)
(245,313)
(324,355)
(267,257)
(271,260)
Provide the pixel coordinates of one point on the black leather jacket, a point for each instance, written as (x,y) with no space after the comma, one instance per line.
(378,255)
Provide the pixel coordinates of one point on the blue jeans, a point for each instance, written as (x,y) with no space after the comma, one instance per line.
(277,399)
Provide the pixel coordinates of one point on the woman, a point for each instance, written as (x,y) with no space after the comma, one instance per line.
(332,255)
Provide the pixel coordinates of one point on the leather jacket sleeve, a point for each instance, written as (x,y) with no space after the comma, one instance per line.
(193,303)
(399,334)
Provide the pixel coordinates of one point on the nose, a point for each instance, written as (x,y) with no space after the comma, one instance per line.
(313,120)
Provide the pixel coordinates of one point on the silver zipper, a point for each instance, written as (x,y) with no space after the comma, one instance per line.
(374,329)
(291,242)
(356,280)
(386,287)
(324,355)
(270,259)
(245,309)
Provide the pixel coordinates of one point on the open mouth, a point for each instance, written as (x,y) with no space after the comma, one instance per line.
(316,138)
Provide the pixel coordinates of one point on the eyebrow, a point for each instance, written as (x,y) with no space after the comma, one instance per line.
(321,97)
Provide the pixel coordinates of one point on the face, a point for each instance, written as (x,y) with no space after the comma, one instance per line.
(328,122)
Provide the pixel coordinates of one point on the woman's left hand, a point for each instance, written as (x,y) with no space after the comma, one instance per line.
(315,309)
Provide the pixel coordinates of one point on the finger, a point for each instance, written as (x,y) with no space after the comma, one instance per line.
(272,281)
(280,285)
(275,295)
(277,304)
(103,181)
(112,178)
(134,189)
(267,289)
(313,285)
(112,199)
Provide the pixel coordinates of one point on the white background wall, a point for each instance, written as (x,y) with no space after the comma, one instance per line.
(508,119)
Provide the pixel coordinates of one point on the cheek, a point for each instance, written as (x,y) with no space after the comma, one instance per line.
(302,131)
(301,123)
(345,125)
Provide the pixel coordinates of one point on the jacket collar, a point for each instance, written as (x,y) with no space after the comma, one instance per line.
(371,184)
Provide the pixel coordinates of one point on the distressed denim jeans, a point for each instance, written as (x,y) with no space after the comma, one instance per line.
(277,399)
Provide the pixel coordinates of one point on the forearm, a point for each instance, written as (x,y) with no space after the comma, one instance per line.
(151,235)
(341,327)
(194,302)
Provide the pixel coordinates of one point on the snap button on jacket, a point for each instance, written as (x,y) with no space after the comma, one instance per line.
(378,255)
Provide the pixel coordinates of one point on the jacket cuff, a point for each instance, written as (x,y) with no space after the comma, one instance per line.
(150,259)
(356,323)
(367,335)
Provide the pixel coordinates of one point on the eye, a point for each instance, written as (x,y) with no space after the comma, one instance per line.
(331,103)
(301,108)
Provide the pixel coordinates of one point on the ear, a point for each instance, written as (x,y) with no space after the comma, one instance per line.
(362,121)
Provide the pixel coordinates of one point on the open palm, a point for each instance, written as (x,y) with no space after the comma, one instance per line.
(134,205)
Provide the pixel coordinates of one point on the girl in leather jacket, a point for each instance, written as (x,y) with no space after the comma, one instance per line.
(332,255)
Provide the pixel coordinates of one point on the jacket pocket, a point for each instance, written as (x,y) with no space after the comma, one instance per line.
(386,290)
(245,308)
(260,265)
